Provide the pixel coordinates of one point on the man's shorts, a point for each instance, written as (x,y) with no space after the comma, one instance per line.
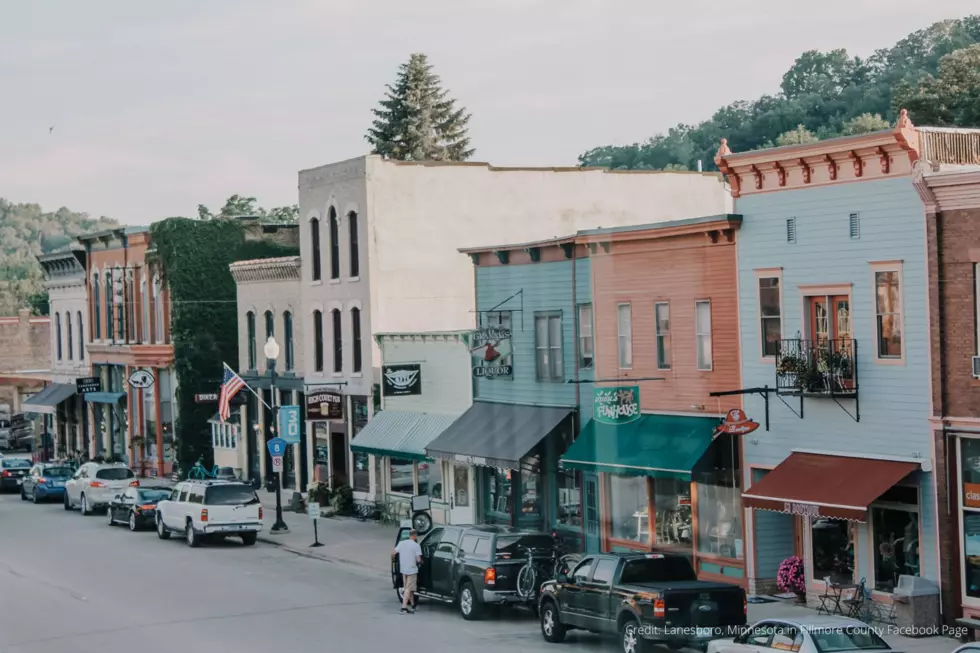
(410,582)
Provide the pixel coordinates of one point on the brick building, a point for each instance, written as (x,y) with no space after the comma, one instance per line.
(25,357)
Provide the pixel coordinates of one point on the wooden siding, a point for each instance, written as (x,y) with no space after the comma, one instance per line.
(679,271)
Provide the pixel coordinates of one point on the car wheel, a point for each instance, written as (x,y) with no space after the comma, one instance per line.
(629,637)
(133,526)
(470,605)
(34,498)
(551,627)
(111,520)
(67,501)
(191,536)
(162,531)
(86,511)
(23,496)
(249,539)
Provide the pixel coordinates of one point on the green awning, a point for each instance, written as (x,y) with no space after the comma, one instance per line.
(663,446)
(400,434)
(104,397)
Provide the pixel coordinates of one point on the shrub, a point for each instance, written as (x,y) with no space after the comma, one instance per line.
(343,500)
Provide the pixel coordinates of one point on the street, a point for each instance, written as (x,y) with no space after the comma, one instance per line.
(73,583)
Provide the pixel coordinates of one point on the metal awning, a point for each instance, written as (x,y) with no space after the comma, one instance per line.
(400,434)
(104,397)
(46,401)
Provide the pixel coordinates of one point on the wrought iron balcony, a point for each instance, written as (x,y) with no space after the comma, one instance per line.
(817,367)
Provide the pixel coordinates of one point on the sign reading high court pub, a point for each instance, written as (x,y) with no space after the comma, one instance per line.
(322,405)
(619,405)
(491,350)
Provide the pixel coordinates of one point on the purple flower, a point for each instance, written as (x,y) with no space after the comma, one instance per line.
(791,576)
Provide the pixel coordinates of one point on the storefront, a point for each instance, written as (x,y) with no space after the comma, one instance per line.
(968,457)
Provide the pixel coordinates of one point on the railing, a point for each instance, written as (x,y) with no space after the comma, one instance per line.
(817,367)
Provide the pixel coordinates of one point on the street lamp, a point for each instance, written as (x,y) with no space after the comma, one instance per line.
(271,350)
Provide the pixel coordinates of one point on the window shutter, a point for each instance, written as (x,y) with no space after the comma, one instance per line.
(855,226)
(790,230)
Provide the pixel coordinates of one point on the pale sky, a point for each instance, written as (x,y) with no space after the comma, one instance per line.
(159,106)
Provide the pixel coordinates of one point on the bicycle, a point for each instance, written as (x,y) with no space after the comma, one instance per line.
(527,577)
(200,472)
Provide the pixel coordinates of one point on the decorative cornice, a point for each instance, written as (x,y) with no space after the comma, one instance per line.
(285,268)
(929,202)
(952,190)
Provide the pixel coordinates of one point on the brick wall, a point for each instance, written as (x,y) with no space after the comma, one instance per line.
(25,343)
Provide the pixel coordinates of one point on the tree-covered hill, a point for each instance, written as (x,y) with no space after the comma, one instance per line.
(934,73)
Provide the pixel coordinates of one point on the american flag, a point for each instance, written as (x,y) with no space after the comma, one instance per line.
(230,386)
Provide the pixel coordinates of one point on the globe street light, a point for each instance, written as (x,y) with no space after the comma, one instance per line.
(271,350)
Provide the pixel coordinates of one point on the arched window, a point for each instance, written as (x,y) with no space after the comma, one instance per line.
(69,337)
(287,334)
(250,325)
(355,326)
(355,260)
(338,342)
(158,308)
(96,306)
(129,297)
(81,337)
(270,325)
(145,313)
(315,245)
(334,245)
(57,333)
(317,341)
(109,334)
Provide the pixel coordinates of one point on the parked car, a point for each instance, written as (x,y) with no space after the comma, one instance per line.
(210,509)
(137,506)
(644,598)
(12,473)
(95,484)
(972,647)
(472,566)
(45,482)
(816,634)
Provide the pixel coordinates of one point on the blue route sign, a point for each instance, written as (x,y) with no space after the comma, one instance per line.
(277,447)
(289,424)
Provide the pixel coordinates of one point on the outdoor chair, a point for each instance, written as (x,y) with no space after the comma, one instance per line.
(827,599)
(857,600)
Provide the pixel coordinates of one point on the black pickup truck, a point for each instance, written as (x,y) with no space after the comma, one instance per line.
(644,597)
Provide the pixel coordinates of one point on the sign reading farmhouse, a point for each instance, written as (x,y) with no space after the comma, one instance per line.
(491,351)
(324,405)
(619,405)
(736,423)
(398,380)
(88,384)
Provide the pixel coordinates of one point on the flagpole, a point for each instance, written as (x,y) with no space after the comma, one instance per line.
(257,395)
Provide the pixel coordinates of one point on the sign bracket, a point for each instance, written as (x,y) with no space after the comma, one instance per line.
(764,393)
(519,293)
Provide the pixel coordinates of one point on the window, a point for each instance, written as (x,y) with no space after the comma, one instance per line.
(461,485)
(338,342)
(270,325)
(145,302)
(895,529)
(287,330)
(581,572)
(586,339)
(315,246)
(482,549)
(790,230)
(158,309)
(334,245)
(196,496)
(81,336)
(832,548)
(130,308)
(625,336)
(355,320)
(770,314)
(702,314)
(854,226)
(108,306)
(888,309)
(69,337)
(629,508)
(976,301)
(430,480)
(468,543)
(355,259)
(662,317)
(604,571)
(786,638)
(317,341)
(402,475)
(96,306)
(569,499)
(718,476)
(57,334)
(547,347)
(672,519)
(250,325)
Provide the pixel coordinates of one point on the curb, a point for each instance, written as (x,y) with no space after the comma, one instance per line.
(268,539)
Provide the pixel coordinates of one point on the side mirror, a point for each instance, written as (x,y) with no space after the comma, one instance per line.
(564,577)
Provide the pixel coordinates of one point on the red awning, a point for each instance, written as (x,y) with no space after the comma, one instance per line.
(816,485)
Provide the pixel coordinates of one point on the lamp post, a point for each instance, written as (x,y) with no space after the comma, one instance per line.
(271,350)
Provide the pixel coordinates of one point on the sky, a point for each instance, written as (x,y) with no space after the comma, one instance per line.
(160,106)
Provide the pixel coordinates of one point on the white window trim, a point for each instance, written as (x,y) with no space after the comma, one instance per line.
(547,316)
(657,335)
(697,335)
(620,336)
(888,266)
(760,274)
(582,336)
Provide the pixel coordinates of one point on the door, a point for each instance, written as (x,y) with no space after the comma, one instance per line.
(593,536)
(443,562)
(428,545)
(338,458)
(595,593)
(460,503)
(573,597)
(830,318)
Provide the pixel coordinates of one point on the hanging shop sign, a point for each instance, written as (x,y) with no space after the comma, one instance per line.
(141,379)
(324,405)
(618,405)
(400,380)
(88,384)
(491,351)
(736,423)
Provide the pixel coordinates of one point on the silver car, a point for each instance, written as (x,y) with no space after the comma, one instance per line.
(95,484)
(805,634)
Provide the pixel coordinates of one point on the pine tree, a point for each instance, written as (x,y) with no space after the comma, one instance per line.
(417,121)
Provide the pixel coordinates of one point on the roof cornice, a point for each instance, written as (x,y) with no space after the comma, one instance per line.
(286,268)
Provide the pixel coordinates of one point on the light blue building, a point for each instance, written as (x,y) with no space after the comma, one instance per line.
(835,360)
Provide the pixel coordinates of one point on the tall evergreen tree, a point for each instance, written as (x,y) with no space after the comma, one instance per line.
(417,120)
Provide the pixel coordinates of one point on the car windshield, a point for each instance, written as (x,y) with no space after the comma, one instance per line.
(154,495)
(832,640)
(513,546)
(230,495)
(57,471)
(115,474)
(657,570)
(16,463)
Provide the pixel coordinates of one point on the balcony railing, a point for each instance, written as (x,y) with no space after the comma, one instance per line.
(817,367)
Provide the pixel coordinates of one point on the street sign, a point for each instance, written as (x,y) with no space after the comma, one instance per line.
(141,379)
(313,510)
(289,424)
(277,463)
(277,447)
(88,384)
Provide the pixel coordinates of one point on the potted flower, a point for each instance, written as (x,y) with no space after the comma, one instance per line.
(792,578)
(789,369)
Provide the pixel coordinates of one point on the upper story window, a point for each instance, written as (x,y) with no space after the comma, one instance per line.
(96,306)
(624,335)
(661,315)
(69,337)
(109,301)
(315,247)
(130,299)
(976,302)
(888,311)
(334,245)
(270,325)
(770,315)
(158,309)
(144,310)
(57,334)
(317,341)
(338,341)
(250,327)
(355,258)
(586,338)
(81,337)
(702,318)
(355,323)
(549,358)
(287,334)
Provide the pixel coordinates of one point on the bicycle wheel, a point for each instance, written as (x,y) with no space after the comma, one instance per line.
(525,582)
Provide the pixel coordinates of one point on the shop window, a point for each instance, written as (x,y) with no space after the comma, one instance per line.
(549,359)
(569,499)
(895,529)
(402,476)
(629,508)
(770,315)
(499,496)
(461,485)
(970,500)
(430,480)
(662,320)
(832,549)
(717,476)
(532,493)
(888,313)
(586,338)
(672,503)
(362,473)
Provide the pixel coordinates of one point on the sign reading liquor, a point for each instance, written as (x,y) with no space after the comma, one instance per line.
(736,423)
(324,405)
(491,351)
(619,405)
(399,380)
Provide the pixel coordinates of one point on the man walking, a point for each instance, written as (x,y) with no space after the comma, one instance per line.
(409,555)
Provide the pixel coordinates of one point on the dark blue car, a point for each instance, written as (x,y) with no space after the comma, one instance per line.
(13,471)
(45,482)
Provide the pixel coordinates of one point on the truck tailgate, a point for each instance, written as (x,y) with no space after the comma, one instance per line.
(705,606)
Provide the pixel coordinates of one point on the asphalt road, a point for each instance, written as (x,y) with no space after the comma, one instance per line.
(72,583)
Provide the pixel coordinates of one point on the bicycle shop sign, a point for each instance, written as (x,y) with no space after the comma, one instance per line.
(619,405)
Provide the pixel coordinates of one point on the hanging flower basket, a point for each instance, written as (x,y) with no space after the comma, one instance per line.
(792,577)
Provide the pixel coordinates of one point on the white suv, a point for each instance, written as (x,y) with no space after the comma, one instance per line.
(202,509)
(95,484)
